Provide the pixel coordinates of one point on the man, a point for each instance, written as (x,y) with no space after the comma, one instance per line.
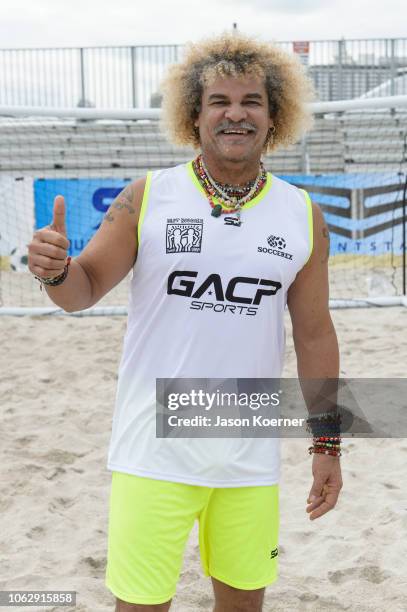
(208,308)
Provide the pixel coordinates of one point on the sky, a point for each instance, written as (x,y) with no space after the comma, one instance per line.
(59,23)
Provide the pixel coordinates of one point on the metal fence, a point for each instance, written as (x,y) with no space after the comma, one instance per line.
(129,77)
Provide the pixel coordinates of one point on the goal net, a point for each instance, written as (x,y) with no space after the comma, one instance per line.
(353,164)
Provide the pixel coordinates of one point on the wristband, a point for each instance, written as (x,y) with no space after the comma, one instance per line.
(325,425)
(56,280)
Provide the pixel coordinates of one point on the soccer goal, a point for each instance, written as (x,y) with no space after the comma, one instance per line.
(353,163)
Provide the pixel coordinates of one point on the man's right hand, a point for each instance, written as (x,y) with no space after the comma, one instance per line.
(47,251)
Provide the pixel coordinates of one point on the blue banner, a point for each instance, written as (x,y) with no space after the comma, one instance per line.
(86,202)
(381,242)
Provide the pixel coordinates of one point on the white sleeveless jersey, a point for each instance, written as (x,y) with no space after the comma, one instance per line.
(200,306)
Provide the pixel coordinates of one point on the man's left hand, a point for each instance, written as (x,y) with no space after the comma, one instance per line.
(327,484)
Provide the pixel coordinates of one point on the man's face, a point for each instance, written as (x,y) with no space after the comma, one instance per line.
(234,119)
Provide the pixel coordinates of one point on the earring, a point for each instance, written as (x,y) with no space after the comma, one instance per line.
(270,136)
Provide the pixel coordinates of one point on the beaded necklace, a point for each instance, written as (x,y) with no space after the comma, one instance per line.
(232,197)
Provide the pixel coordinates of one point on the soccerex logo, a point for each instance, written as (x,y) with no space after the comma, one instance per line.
(239,295)
(277,247)
(277,242)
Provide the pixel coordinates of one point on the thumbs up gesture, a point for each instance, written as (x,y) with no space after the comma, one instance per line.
(47,251)
(58,220)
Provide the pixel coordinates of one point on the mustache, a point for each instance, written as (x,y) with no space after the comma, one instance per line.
(237,126)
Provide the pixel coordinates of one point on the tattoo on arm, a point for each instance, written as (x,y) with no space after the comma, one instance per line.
(123,200)
(325,234)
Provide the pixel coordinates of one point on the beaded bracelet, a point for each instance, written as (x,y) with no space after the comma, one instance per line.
(56,280)
(331,444)
(324,425)
(327,445)
(324,416)
(324,451)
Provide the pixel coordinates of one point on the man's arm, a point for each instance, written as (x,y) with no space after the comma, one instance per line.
(314,336)
(103,263)
(316,347)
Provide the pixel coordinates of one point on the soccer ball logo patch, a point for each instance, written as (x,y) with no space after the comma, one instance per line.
(276,242)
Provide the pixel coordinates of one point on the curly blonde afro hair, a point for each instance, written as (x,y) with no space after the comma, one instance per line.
(233,55)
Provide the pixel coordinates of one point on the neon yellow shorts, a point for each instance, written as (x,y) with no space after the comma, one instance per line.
(149,524)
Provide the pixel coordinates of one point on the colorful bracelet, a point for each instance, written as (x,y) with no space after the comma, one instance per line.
(324,451)
(56,280)
(327,446)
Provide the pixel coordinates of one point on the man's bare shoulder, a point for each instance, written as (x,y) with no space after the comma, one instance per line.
(130,198)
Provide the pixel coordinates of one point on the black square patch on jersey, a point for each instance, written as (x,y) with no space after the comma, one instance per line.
(184,235)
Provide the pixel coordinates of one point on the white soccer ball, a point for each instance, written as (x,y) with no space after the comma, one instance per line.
(18,259)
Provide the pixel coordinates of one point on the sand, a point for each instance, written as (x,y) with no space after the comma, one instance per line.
(57,386)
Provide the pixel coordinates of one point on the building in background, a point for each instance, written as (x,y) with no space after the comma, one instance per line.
(129,77)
